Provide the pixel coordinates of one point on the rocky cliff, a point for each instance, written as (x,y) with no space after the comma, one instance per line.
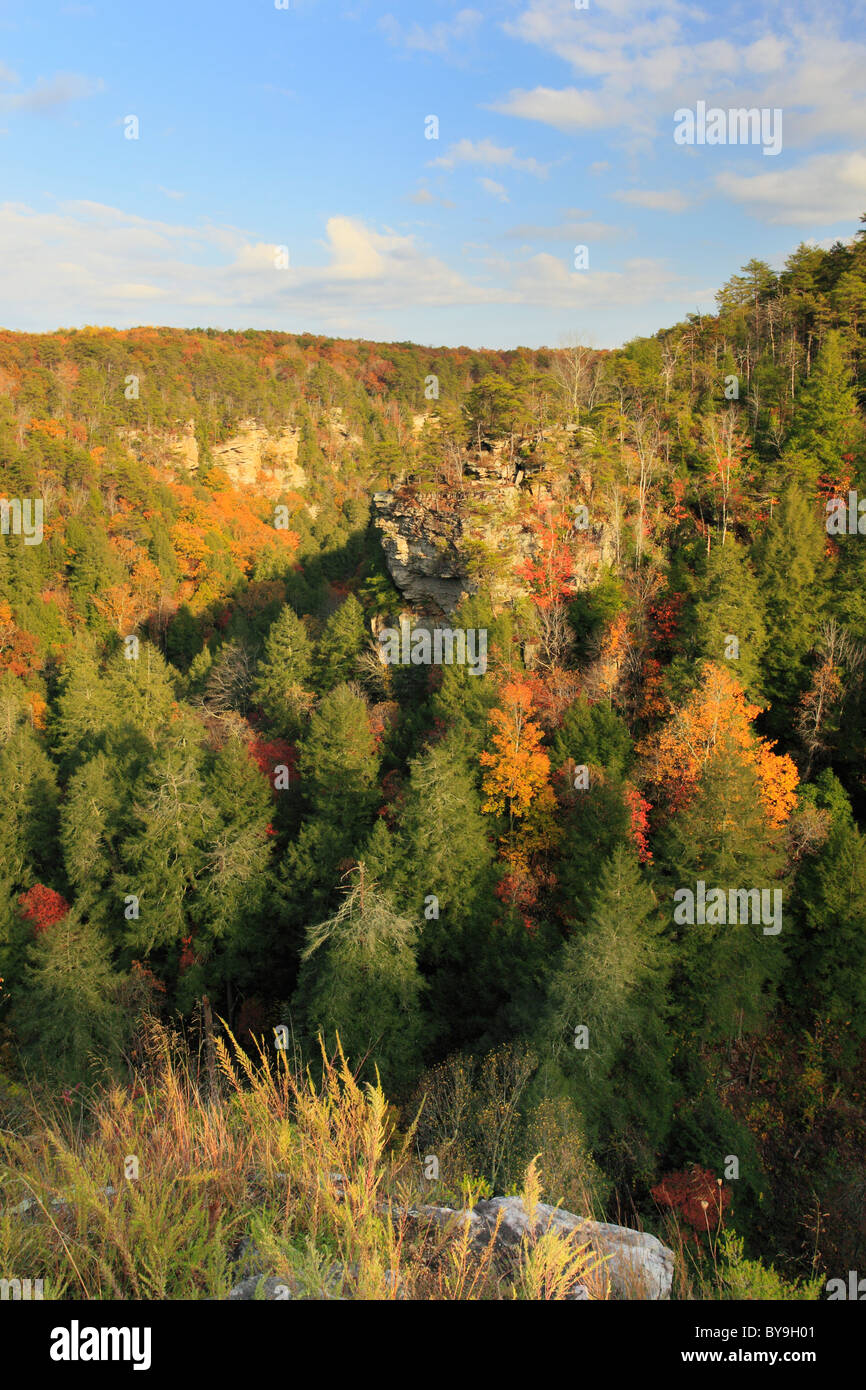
(253,457)
(440,545)
(435,542)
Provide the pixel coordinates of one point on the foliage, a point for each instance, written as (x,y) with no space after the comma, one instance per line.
(199,746)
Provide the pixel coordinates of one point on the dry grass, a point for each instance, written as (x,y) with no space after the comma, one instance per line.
(269,1172)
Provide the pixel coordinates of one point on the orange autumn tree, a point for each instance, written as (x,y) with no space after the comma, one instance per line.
(518,770)
(17,648)
(605,675)
(715,717)
(516,784)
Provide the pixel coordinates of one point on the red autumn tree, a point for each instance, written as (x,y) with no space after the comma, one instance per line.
(698,1196)
(42,906)
(550,571)
(639,809)
(271,755)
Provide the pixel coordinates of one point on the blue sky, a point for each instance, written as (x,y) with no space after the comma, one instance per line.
(305,128)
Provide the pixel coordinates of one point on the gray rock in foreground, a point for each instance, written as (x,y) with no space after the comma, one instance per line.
(636,1264)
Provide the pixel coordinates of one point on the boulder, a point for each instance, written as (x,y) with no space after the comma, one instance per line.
(636,1264)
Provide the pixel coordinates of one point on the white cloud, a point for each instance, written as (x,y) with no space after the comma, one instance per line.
(496,190)
(826,188)
(572,230)
(424,198)
(357,252)
(634,70)
(658,200)
(568,109)
(48,93)
(766,55)
(486,152)
(549,280)
(131,291)
(438,38)
(86,262)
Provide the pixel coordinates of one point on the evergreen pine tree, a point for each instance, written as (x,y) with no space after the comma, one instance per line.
(463,701)
(67,1014)
(730,605)
(824,417)
(592,734)
(95,817)
(164,855)
(284,670)
(612,981)
(594,823)
(340,644)
(725,973)
(359,981)
(789,562)
(447,849)
(445,874)
(237,848)
(828,955)
(82,711)
(337,759)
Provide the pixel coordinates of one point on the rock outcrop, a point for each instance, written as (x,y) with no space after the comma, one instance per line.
(252,458)
(436,544)
(422,551)
(628,1264)
(636,1264)
(255,458)
(441,545)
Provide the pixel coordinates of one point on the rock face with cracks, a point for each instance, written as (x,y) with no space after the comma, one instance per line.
(254,458)
(440,545)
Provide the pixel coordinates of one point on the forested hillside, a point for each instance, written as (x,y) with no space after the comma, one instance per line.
(221,801)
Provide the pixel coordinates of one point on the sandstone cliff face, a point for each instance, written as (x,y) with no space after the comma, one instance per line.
(439,547)
(257,459)
(252,458)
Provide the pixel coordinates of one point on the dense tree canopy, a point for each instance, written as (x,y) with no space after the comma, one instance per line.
(213,783)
